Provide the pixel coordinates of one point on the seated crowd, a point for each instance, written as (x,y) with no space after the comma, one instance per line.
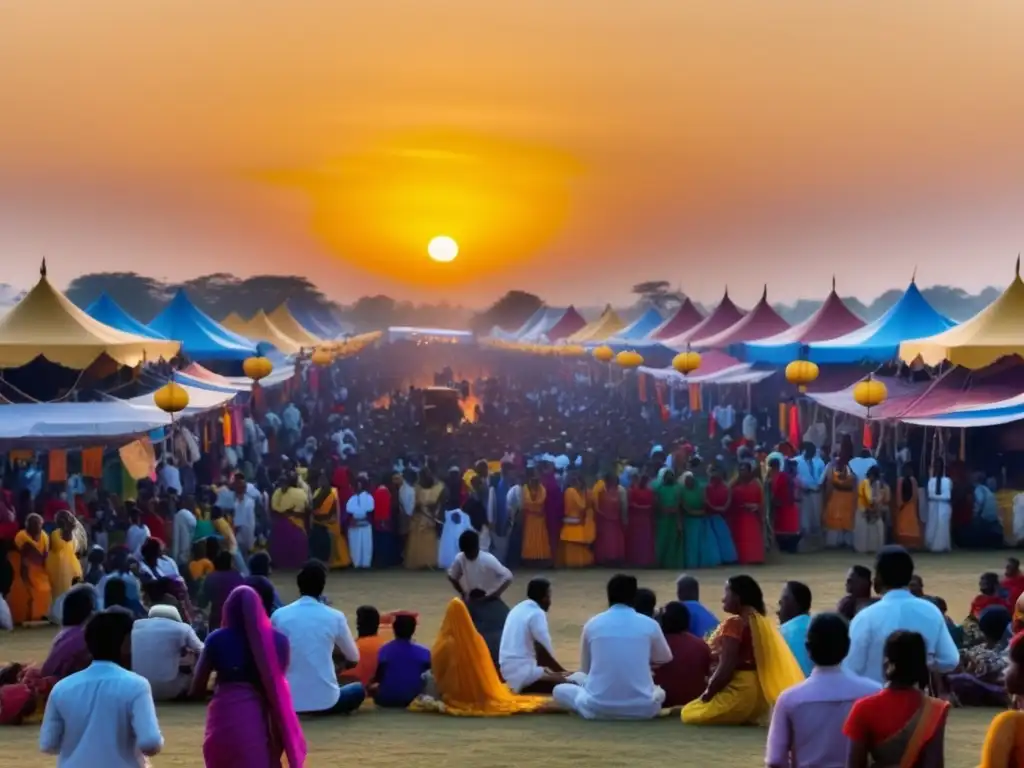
(832,692)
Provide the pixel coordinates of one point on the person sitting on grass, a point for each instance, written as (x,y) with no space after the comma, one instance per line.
(401,664)
(989,594)
(685,677)
(979,681)
(646,602)
(527,657)
(369,642)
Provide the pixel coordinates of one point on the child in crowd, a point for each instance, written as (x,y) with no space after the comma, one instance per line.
(1013,580)
(989,595)
(369,642)
(401,665)
(199,567)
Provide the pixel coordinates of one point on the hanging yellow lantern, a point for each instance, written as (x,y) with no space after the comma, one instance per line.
(869,393)
(171,398)
(321,357)
(801,373)
(257,368)
(629,359)
(686,362)
(604,354)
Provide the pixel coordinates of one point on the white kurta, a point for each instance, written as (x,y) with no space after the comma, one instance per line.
(940,513)
(360,530)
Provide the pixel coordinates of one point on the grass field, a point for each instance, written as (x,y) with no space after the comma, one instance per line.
(389,738)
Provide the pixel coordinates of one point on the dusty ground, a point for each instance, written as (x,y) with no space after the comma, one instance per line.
(385,739)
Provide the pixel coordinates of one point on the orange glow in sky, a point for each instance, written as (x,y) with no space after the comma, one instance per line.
(571,148)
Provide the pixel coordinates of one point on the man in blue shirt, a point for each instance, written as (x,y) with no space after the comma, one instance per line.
(794,620)
(702,621)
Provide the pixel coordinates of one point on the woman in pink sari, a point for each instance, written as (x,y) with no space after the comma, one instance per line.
(250,721)
(640,525)
(610,543)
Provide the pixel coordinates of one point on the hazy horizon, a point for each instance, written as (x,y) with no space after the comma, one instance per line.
(572,149)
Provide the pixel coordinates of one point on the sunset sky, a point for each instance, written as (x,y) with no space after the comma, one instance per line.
(572,148)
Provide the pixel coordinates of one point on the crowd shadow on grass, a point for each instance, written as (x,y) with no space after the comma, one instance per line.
(397,738)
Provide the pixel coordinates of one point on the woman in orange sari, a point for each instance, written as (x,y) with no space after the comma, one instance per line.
(536,544)
(746,521)
(578,527)
(906,524)
(30,595)
(466,680)
(327,542)
(68,541)
(840,506)
(901,725)
(1004,742)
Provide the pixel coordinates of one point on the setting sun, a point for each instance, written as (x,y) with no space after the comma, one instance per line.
(443,249)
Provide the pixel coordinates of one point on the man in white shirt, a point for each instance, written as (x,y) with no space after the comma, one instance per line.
(244,515)
(169,478)
(314,630)
(618,649)
(184,531)
(898,609)
(477,575)
(164,651)
(360,528)
(527,655)
(810,476)
(103,715)
(137,532)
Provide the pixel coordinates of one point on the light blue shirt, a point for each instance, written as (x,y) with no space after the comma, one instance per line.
(794,632)
(103,715)
(898,609)
(810,473)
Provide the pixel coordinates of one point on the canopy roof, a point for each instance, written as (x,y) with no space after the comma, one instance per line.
(997,331)
(290,327)
(109,312)
(46,323)
(538,318)
(201,337)
(197,376)
(683,320)
(322,325)
(608,324)
(260,328)
(986,415)
(715,368)
(642,327)
(725,315)
(568,324)
(912,317)
(758,323)
(833,319)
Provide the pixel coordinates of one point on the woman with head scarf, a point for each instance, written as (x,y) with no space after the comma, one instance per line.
(250,720)
(466,680)
(30,595)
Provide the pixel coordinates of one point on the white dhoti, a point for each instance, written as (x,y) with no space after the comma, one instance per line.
(810,520)
(936,532)
(576,698)
(360,545)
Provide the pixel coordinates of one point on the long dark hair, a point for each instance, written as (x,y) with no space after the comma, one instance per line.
(748,592)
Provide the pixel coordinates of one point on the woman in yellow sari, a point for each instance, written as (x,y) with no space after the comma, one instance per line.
(872,505)
(466,679)
(289,539)
(753,663)
(579,529)
(67,541)
(327,543)
(421,546)
(536,546)
(840,506)
(1004,742)
(30,596)
(906,524)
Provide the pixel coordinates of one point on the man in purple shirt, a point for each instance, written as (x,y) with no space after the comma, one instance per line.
(400,666)
(807,722)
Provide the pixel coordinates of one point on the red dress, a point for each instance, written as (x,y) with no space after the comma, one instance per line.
(610,542)
(640,528)
(746,525)
(785,512)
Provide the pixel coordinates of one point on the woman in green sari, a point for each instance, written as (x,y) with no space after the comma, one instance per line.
(668,536)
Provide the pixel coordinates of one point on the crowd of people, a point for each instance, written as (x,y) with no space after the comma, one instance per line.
(550,469)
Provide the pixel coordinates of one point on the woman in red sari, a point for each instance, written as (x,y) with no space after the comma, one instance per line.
(746,522)
(610,543)
(785,510)
(640,525)
(901,725)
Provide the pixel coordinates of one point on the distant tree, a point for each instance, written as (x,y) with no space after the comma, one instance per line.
(509,312)
(658,294)
(371,312)
(140,296)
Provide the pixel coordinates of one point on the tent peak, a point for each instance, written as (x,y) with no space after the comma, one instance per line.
(1018,265)
(913,276)
(42,268)
(764,293)
(833,283)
